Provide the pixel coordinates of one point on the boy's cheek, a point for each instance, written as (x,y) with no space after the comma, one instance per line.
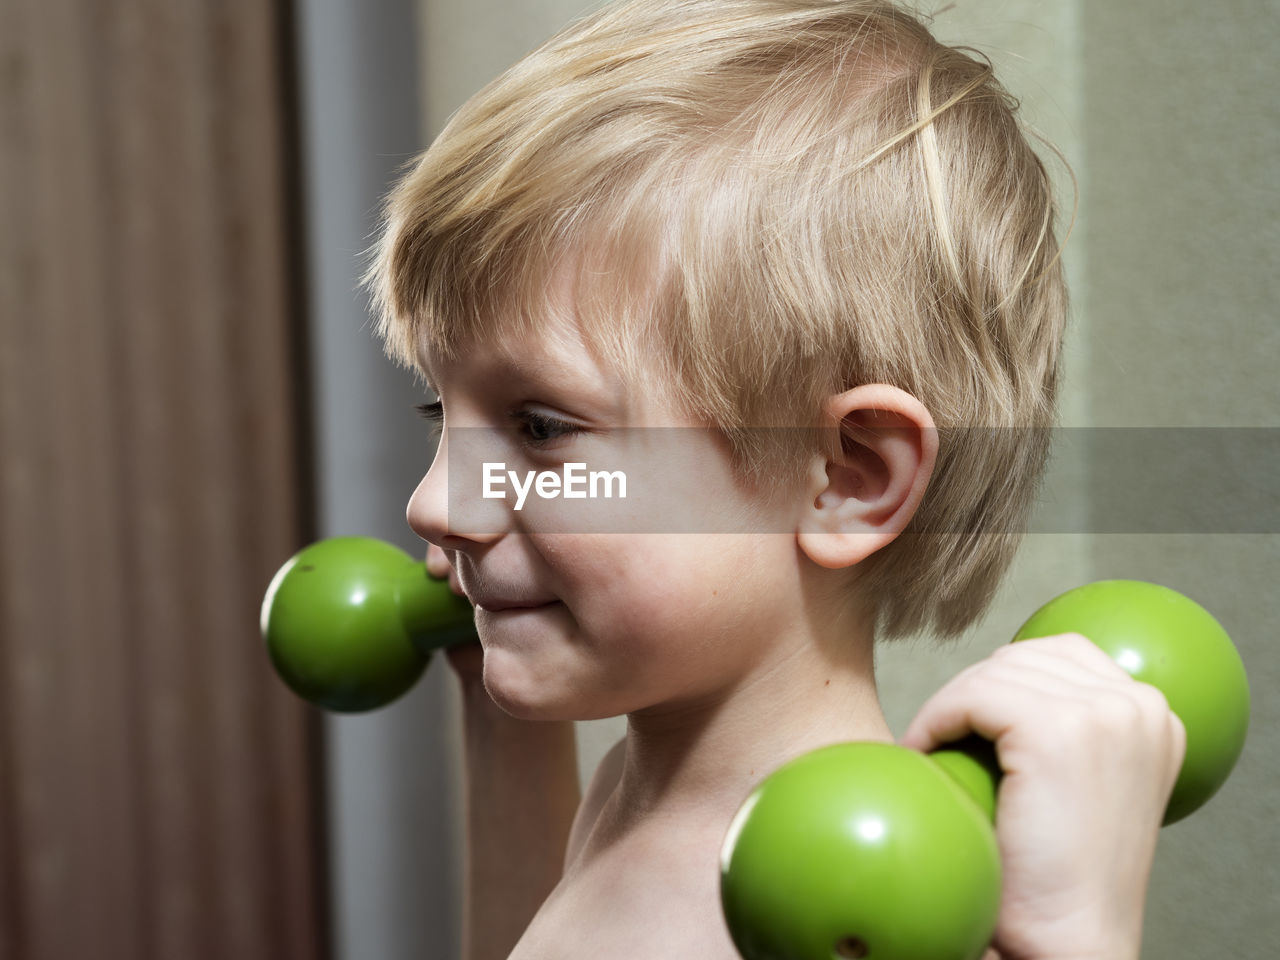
(636,481)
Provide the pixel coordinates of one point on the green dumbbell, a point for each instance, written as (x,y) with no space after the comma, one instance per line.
(874,850)
(350,623)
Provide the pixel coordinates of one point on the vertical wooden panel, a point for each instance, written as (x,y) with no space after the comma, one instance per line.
(158,786)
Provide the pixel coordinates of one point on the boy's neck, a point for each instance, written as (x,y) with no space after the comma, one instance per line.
(695,763)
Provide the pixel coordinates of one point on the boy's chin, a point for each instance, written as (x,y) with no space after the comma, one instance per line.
(522,701)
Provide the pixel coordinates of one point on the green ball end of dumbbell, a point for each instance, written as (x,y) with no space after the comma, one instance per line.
(350,622)
(860,850)
(840,852)
(1166,639)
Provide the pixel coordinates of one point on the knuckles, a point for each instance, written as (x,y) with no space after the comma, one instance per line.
(1129,712)
(1117,703)
(1074,645)
(1160,719)
(1105,713)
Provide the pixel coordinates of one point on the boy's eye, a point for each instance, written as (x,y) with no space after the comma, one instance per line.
(540,429)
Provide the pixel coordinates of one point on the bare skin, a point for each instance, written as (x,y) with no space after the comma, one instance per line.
(647,836)
(654,851)
(729,655)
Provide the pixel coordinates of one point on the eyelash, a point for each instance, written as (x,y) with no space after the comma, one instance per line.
(434,413)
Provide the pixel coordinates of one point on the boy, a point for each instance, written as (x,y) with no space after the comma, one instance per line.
(738,221)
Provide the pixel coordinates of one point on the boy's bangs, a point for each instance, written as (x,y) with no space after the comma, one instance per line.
(595,264)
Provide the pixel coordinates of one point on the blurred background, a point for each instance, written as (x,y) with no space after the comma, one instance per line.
(190,391)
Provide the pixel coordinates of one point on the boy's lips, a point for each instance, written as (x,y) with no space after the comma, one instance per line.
(500,593)
(494,604)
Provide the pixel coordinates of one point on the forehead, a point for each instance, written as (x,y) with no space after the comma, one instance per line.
(553,353)
(573,325)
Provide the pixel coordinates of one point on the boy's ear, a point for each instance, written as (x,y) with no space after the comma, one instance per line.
(859,503)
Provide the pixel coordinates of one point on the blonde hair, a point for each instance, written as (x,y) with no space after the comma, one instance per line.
(771,201)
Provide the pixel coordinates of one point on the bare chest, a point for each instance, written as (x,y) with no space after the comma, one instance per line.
(633,907)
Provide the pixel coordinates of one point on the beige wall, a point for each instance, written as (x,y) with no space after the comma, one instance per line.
(1166,111)
(1181,131)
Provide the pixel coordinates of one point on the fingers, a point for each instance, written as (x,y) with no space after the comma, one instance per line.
(985,699)
(466,659)
(1073,647)
(438,566)
(1089,757)
(437,562)
(1045,687)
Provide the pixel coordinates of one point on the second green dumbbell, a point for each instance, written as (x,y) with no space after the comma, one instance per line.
(350,623)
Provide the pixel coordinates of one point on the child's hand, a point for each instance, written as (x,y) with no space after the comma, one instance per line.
(1090,756)
(466,659)
(438,566)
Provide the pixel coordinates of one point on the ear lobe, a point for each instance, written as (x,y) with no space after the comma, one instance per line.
(862,501)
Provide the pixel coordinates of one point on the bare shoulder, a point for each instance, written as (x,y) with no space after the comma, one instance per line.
(649,895)
(602,784)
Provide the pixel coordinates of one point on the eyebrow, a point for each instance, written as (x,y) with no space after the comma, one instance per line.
(539,366)
(531,369)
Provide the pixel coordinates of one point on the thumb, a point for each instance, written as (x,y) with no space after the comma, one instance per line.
(926,734)
(947,716)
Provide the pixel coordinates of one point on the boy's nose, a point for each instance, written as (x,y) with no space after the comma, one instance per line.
(436,517)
